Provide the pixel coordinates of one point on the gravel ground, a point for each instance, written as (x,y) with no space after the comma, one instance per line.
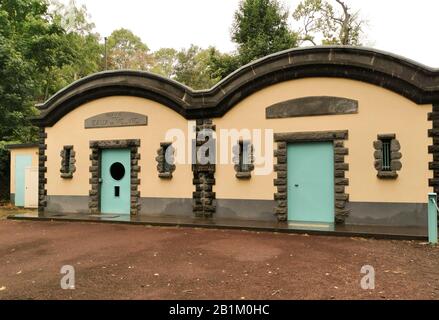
(137,262)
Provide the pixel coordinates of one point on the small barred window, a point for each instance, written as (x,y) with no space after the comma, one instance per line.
(67,162)
(165,160)
(387,156)
(243,159)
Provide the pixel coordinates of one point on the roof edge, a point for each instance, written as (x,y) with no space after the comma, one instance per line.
(399,74)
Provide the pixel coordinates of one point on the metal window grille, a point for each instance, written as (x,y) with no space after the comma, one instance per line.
(243,156)
(166,165)
(68,154)
(386,155)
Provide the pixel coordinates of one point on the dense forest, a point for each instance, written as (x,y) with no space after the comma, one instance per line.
(46,45)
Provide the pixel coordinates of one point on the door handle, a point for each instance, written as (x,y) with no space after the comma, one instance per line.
(296,185)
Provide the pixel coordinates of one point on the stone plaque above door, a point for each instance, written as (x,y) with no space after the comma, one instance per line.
(312,106)
(116,119)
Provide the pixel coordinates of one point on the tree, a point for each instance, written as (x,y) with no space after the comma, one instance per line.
(164,62)
(192,68)
(84,41)
(220,65)
(32,45)
(320,20)
(127,51)
(260,28)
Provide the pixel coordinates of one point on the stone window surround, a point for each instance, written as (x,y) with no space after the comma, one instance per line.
(338,138)
(395,156)
(67,174)
(240,173)
(161,159)
(95,159)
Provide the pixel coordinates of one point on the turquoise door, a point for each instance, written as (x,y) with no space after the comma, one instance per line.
(311,182)
(116,179)
(21,163)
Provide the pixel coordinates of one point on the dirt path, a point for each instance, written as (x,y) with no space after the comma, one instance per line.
(136,262)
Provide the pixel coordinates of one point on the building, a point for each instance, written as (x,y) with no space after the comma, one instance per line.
(24,175)
(354,134)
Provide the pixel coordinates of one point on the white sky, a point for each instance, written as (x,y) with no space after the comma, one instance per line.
(407,28)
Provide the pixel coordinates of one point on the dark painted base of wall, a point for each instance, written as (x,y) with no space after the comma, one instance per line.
(361,213)
(12,198)
(388,214)
(67,204)
(260,210)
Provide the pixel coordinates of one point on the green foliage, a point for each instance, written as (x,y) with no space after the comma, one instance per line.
(192,68)
(31,45)
(165,60)
(83,40)
(40,52)
(260,28)
(222,64)
(320,21)
(127,51)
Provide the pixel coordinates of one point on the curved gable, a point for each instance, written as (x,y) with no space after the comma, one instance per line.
(405,77)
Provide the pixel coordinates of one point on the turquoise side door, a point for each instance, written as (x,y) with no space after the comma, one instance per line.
(21,163)
(311,182)
(116,179)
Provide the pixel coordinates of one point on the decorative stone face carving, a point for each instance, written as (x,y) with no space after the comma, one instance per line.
(243,159)
(165,160)
(393,156)
(68,161)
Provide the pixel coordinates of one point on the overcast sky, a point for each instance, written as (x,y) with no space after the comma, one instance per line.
(408,28)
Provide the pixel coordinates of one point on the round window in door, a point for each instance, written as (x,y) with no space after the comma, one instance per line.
(117,171)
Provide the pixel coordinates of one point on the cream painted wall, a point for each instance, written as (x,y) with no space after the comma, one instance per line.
(70,131)
(24,151)
(380,111)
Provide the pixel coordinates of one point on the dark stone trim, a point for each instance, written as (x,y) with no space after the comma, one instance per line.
(311,106)
(413,81)
(165,172)
(116,119)
(95,172)
(395,156)
(341,198)
(42,158)
(243,172)
(311,136)
(434,148)
(22,146)
(67,174)
(204,203)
